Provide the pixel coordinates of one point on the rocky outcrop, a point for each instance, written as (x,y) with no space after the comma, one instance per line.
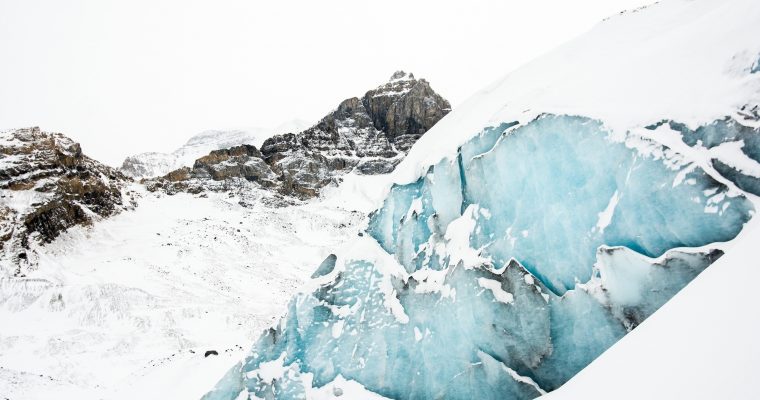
(219,170)
(151,165)
(367,135)
(404,108)
(47,186)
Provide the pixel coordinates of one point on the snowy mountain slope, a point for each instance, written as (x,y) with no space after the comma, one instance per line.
(132,303)
(123,307)
(700,345)
(539,223)
(152,164)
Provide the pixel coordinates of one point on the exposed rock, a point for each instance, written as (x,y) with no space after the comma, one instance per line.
(405,106)
(47,186)
(376,167)
(368,135)
(219,170)
(150,165)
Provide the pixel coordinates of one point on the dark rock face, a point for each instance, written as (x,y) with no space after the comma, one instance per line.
(368,135)
(405,106)
(47,186)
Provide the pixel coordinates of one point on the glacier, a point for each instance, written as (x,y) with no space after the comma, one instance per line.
(539,222)
(543,192)
(503,271)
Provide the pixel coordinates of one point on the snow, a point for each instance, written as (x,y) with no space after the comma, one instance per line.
(524,379)
(272,370)
(366,249)
(458,235)
(417,334)
(605,217)
(21,201)
(731,153)
(128,307)
(342,388)
(499,294)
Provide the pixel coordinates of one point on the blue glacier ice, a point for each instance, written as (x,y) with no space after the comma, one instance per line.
(637,286)
(544,187)
(721,131)
(500,273)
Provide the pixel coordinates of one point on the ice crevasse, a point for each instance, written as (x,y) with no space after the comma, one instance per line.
(502,271)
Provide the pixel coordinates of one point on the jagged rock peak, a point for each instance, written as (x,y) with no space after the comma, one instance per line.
(368,135)
(401,75)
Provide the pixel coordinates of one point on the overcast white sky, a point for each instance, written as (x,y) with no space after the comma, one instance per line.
(132,76)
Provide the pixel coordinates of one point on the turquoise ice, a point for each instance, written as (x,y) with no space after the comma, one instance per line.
(554,191)
(503,272)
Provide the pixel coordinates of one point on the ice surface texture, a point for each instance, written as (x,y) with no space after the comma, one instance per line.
(723,133)
(550,193)
(501,273)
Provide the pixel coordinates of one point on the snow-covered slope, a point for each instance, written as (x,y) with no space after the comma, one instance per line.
(539,223)
(152,164)
(127,308)
(123,307)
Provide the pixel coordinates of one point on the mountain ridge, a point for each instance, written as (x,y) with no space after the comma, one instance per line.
(153,164)
(368,135)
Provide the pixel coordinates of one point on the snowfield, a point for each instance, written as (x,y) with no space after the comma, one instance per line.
(128,308)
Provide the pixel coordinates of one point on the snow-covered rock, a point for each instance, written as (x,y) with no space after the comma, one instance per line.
(367,135)
(152,164)
(47,186)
